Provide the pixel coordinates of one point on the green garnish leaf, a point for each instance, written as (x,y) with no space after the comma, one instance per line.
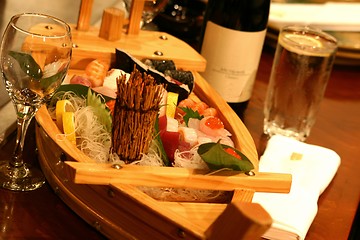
(45,83)
(100,110)
(216,157)
(189,113)
(159,143)
(27,64)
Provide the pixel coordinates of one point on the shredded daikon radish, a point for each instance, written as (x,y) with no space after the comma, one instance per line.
(189,159)
(186,194)
(152,158)
(95,141)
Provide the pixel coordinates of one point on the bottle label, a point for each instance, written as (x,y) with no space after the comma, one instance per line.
(232,60)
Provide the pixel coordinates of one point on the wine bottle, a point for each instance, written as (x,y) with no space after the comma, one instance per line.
(232,39)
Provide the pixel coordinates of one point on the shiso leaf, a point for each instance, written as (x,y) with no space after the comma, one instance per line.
(27,64)
(101,112)
(189,113)
(157,138)
(216,157)
(54,79)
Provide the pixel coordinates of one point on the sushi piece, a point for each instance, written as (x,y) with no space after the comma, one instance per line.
(160,65)
(185,77)
(126,62)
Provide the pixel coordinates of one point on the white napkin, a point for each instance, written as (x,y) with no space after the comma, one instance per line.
(330,16)
(293,213)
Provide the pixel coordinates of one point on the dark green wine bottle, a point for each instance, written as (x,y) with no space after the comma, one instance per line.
(232,40)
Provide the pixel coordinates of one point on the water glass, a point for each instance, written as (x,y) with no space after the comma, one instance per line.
(302,65)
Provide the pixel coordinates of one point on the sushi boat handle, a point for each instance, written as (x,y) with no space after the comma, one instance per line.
(225,180)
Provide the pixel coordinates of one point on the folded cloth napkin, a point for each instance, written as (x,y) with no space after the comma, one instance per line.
(312,168)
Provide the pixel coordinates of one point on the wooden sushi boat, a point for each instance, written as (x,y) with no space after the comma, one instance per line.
(107,195)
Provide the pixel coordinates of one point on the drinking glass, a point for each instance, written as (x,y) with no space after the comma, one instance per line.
(34,57)
(302,65)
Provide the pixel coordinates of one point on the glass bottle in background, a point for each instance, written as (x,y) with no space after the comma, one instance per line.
(232,40)
(182,19)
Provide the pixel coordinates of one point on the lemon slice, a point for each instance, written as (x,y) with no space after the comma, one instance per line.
(171,104)
(61,107)
(68,120)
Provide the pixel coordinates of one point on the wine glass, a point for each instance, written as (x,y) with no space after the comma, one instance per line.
(34,58)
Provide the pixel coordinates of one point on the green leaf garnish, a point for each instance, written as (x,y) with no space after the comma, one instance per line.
(189,113)
(216,157)
(157,138)
(101,112)
(27,64)
(45,83)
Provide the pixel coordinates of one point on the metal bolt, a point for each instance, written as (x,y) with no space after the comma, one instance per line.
(250,173)
(62,157)
(163,37)
(74,45)
(111,193)
(116,166)
(158,53)
(97,226)
(57,190)
(48,27)
(181,233)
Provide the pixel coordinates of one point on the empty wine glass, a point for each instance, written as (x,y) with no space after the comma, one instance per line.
(34,57)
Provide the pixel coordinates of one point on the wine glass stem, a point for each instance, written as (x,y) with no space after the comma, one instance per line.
(22,126)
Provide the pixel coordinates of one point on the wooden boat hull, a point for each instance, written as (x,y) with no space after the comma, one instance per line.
(122,211)
(110,211)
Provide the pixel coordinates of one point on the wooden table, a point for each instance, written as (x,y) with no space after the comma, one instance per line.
(42,215)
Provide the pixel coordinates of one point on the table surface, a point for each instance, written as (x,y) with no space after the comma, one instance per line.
(42,214)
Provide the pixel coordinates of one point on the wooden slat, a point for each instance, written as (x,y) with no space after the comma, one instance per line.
(88,45)
(103,174)
(154,213)
(243,195)
(142,45)
(136,11)
(203,214)
(84,17)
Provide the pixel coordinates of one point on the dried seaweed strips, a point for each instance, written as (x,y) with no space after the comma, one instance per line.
(136,108)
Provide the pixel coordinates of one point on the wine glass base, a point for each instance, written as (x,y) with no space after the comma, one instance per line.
(23,178)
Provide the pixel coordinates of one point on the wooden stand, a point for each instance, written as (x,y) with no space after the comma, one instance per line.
(112,24)
(83,23)
(137,7)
